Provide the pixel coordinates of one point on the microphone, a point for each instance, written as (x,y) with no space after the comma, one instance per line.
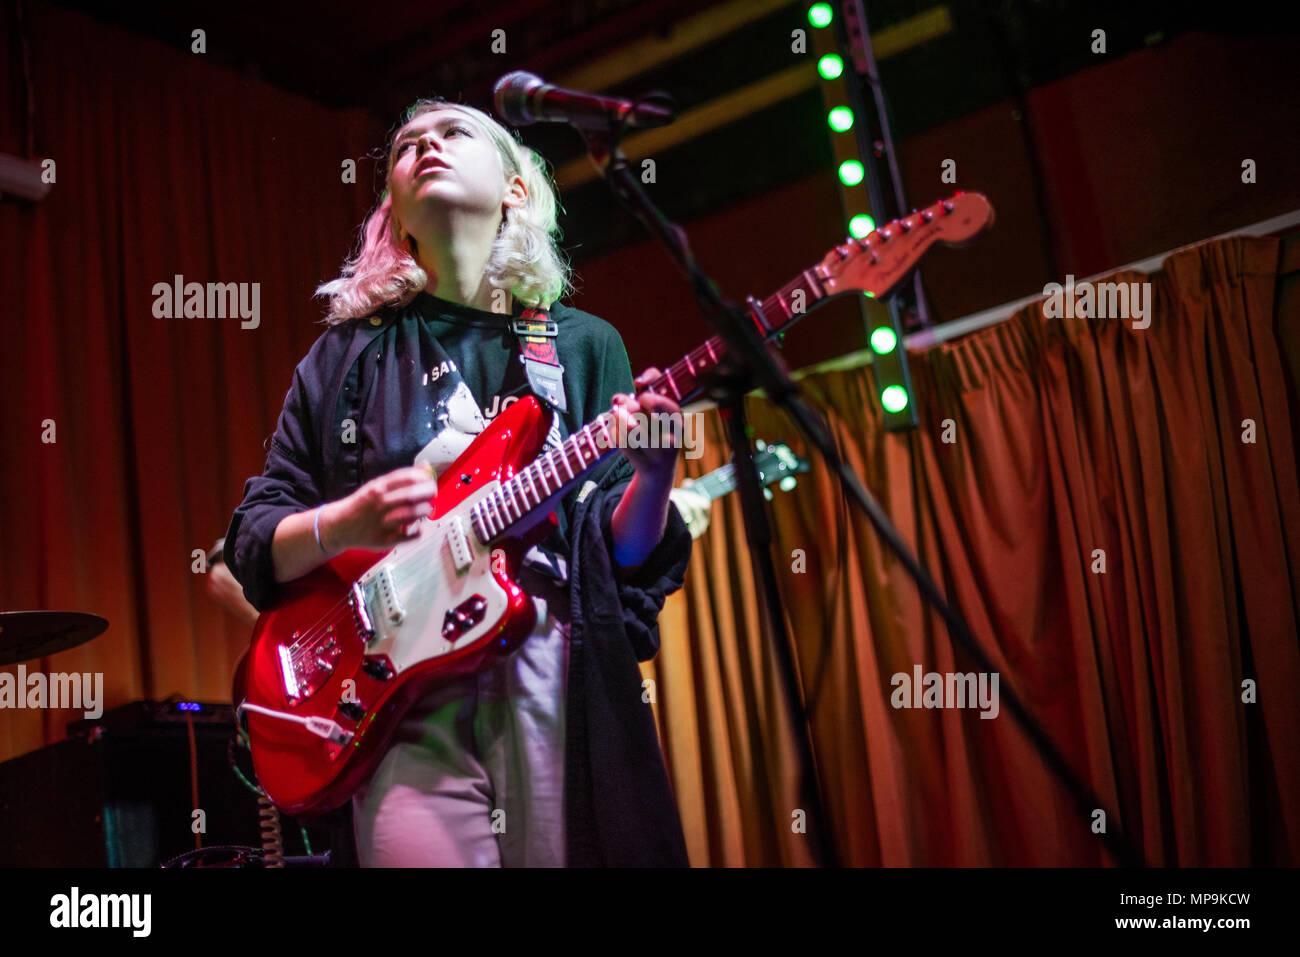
(523,98)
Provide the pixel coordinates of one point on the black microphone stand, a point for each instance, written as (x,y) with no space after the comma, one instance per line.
(749,364)
(727,384)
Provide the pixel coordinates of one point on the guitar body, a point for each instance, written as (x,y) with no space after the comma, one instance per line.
(435,607)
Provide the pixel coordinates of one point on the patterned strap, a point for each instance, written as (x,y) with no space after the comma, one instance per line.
(536,332)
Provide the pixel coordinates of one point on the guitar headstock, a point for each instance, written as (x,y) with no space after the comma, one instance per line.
(777,463)
(876,263)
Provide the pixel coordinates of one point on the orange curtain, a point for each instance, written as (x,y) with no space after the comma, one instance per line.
(1115,511)
(128,436)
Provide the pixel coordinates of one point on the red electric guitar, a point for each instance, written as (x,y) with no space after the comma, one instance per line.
(332,668)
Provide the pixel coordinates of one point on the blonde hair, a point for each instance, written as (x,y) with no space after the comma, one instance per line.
(525,258)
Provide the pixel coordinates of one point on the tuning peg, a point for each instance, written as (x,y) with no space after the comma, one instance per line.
(787,483)
(760,444)
(767,494)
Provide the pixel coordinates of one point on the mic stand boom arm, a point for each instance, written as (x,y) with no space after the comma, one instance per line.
(748,364)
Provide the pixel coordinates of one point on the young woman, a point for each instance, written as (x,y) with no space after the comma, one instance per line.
(549,756)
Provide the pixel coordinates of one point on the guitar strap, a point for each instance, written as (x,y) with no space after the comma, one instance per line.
(535,332)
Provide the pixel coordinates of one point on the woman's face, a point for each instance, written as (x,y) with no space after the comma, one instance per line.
(445,158)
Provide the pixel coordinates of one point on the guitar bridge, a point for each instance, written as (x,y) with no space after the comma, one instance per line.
(304,667)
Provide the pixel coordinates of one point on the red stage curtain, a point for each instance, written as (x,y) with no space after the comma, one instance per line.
(165,165)
(1072,438)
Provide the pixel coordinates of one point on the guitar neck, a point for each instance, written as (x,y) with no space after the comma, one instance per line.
(519,500)
(682,379)
(872,264)
(716,484)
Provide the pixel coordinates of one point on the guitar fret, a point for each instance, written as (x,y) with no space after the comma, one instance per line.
(503,504)
(595,452)
(673,385)
(564,459)
(605,431)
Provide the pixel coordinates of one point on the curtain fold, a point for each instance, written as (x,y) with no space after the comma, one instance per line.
(1116,512)
(129,436)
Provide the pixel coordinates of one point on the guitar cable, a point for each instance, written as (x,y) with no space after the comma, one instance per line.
(269,825)
(268,816)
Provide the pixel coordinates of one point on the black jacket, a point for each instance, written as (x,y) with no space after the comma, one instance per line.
(619,807)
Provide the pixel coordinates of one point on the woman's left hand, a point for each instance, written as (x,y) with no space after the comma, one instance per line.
(641,517)
(636,413)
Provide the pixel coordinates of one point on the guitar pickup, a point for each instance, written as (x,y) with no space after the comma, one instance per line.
(386,594)
(458,542)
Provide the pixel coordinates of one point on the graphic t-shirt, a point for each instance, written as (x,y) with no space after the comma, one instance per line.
(441,372)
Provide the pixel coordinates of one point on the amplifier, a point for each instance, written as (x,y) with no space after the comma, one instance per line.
(118,793)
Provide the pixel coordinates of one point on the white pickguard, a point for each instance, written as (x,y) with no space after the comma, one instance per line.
(421,580)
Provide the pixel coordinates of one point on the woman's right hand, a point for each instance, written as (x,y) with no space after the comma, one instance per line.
(377,515)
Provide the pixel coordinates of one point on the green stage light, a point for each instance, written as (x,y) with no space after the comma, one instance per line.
(894,398)
(830,66)
(840,119)
(819,14)
(860,225)
(883,340)
(851,172)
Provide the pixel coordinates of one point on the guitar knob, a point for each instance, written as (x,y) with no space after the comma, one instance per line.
(377,669)
(352,709)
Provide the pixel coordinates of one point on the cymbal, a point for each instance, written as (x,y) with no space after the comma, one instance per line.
(25,635)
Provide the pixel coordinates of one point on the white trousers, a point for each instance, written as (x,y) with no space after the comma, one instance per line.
(475,775)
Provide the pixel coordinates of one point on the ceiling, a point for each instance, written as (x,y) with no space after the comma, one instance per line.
(379,58)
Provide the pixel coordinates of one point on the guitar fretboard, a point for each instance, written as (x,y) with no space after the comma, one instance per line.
(717,483)
(553,472)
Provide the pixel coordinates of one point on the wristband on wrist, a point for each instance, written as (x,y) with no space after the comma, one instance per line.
(316,525)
